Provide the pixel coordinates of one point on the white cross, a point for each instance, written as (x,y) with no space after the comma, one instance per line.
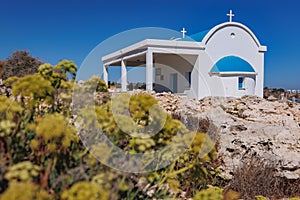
(230,16)
(183,32)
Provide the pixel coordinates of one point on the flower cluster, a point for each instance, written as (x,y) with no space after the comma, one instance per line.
(53,133)
(84,190)
(23,171)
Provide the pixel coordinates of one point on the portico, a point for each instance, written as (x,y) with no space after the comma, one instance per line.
(148,53)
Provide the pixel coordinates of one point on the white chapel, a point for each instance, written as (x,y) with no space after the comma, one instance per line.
(227,60)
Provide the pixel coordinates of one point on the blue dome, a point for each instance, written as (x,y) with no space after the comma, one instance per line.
(232,64)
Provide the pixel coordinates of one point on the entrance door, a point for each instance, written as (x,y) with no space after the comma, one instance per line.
(173,82)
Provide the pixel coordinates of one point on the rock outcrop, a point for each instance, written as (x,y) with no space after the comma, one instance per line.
(244,128)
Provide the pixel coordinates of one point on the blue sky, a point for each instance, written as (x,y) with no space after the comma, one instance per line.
(71,29)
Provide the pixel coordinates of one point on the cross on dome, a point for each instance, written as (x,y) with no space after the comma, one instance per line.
(183,31)
(230,15)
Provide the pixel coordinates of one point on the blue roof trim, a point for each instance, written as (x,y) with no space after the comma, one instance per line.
(232,64)
(198,37)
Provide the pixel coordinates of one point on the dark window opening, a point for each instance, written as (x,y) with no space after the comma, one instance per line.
(241,83)
(188,77)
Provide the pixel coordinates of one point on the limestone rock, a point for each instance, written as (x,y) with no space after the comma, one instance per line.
(244,128)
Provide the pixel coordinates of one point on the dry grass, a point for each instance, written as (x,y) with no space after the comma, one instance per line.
(258,177)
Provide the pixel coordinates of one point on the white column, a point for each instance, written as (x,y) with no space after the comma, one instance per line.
(260,78)
(105,74)
(149,70)
(124,76)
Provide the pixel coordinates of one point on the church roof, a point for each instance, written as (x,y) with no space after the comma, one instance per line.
(232,64)
(198,37)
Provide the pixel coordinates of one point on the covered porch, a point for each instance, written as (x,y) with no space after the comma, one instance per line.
(168,58)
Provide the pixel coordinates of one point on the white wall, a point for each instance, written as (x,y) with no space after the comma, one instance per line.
(169,64)
(221,44)
(231,86)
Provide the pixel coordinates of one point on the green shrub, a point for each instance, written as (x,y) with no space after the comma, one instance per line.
(23,172)
(42,157)
(25,191)
(95,84)
(83,191)
(212,193)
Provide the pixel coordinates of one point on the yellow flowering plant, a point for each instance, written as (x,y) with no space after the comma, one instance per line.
(43,158)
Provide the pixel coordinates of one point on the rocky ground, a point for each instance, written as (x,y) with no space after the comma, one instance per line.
(244,128)
(253,127)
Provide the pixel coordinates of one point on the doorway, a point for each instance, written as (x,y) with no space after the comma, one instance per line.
(173,82)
